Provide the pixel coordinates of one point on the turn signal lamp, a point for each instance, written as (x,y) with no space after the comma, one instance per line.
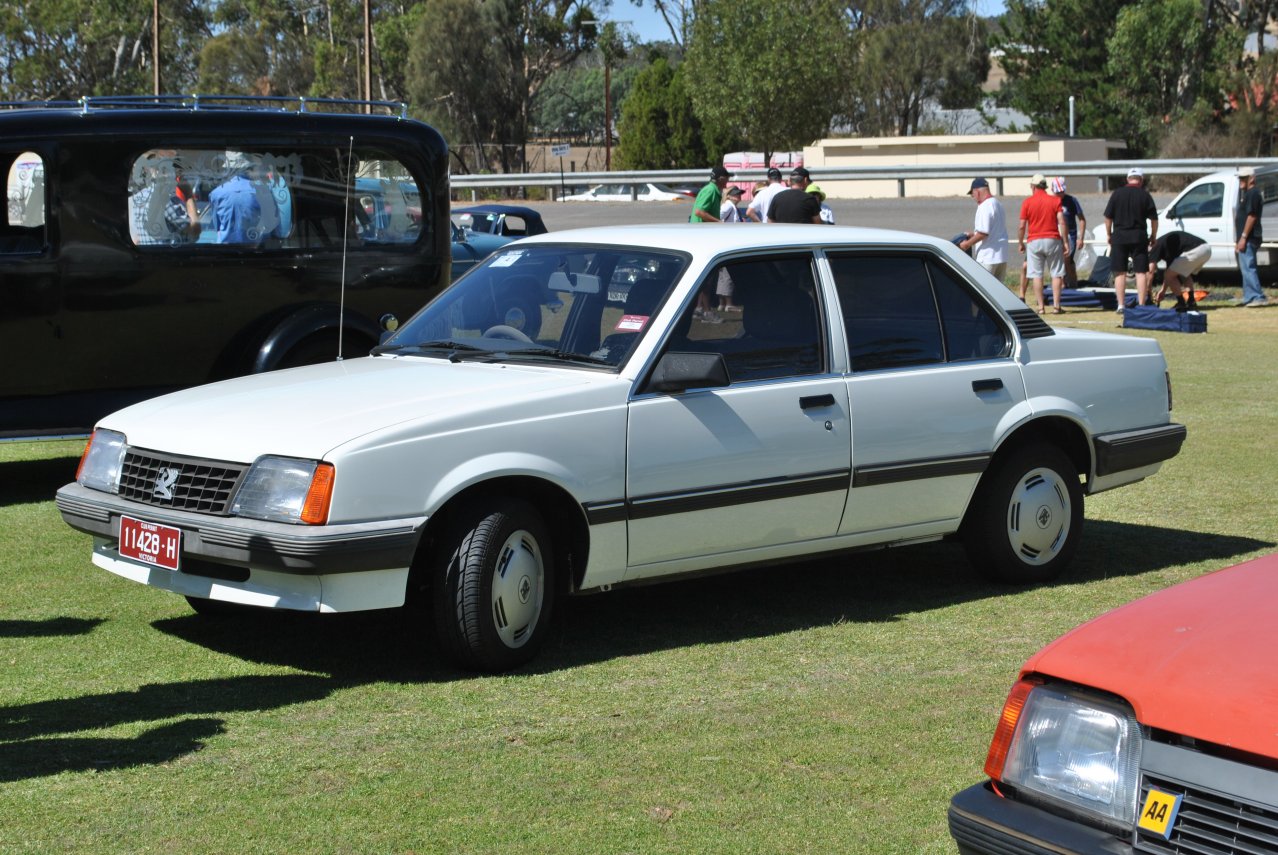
(315,508)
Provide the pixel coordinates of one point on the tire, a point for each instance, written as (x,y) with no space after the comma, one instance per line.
(494,586)
(322,347)
(1024,523)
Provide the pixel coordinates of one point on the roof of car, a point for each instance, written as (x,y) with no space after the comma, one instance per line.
(498,209)
(702,238)
(118,117)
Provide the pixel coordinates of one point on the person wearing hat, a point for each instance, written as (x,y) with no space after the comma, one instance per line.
(1075,224)
(1044,241)
(796,205)
(827,213)
(1247,228)
(728,211)
(710,199)
(757,210)
(989,230)
(1129,207)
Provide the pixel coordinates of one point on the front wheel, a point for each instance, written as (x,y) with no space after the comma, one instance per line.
(1025,519)
(494,586)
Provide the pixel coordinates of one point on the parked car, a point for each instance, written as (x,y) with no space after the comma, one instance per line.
(1205,209)
(1150,729)
(512,221)
(503,449)
(627,192)
(469,248)
(119,284)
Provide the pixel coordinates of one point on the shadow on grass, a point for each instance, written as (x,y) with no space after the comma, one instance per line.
(27,481)
(48,628)
(341,651)
(41,757)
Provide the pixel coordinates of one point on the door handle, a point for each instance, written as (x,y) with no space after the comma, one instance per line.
(808,402)
(991,385)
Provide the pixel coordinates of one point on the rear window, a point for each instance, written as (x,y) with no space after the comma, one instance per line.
(321,198)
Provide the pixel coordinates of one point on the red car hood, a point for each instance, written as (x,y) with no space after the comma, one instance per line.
(1197,659)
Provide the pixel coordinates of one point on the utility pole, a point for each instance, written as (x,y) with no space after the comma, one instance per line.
(368,56)
(155,45)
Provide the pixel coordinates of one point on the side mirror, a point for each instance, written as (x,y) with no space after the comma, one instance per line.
(679,372)
(389,323)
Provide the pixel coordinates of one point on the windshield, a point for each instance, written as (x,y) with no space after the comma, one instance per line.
(581,305)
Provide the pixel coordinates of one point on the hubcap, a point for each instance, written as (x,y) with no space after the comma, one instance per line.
(1038,517)
(518,586)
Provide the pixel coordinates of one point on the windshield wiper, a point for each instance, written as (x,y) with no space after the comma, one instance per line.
(421,347)
(559,355)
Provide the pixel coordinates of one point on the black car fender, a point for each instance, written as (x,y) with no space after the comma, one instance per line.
(303,322)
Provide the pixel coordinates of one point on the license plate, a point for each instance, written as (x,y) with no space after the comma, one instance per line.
(1159,813)
(150,543)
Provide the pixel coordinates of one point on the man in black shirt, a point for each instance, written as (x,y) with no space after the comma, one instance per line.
(1184,255)
(796,205)
(1247,230)
(1125,215)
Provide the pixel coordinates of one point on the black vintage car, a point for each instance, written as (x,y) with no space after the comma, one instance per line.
(157,243)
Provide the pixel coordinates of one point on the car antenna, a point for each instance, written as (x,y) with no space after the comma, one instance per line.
(346,229)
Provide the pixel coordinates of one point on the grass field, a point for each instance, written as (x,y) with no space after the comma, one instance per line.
(833,706)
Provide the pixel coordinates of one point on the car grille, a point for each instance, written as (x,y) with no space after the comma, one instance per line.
(180,483)
(1210,824)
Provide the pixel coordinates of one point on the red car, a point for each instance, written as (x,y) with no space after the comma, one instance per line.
(1151,729)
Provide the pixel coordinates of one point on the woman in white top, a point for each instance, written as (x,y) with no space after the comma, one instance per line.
(728,211)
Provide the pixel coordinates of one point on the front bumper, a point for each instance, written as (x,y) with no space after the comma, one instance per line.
(311,568)
(983,823)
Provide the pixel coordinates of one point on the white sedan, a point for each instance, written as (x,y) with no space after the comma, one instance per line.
(627,192)
(565,419)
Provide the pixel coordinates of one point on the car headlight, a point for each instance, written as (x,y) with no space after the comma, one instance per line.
(102,460)
(1071,748)
(285,489)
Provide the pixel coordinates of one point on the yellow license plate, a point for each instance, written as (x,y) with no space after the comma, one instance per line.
(1159,813)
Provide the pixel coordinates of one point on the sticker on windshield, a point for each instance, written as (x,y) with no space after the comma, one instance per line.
(506,259)
(632,323)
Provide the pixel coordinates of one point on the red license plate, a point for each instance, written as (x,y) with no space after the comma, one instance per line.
(150,543)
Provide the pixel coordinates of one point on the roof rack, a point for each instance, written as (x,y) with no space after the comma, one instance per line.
(271,103)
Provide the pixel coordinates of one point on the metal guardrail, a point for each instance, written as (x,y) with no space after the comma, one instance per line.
(899,173)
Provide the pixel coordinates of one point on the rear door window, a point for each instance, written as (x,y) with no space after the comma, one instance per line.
(909,310)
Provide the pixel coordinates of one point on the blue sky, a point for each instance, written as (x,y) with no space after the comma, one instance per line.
(648,26)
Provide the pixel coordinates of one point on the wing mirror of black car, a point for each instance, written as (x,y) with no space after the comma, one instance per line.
(389,323)
(679,372)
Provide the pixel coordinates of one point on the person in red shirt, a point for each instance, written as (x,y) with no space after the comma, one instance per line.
(1044,241)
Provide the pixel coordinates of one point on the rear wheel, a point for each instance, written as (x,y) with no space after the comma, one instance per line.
(1025,519)
(494,586)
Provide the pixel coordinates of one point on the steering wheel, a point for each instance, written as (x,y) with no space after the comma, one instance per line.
(507,332)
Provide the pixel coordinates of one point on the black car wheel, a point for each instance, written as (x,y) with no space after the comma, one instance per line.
(1025,519)
(494,586)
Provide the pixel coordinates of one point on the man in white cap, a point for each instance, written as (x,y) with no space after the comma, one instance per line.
(1247,228)
(1125,215)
